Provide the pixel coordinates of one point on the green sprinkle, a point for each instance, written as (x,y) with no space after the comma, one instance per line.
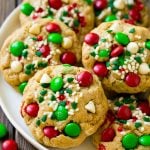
(128,100)
(38,122)
(127,53)
(95,46)
(30,67)
(42,64)
(141,50)
(146,119)
(62,103)
(43,92)
(74,105)
(40,99)
(132,107)
(53,98)
(132,30)
(104,53)
(28,72)
(138,59)
(93,54)
(25,53)
(97,12)
(34,38)
(38,53)
(117,103)
(103,40)
(45,85)
(107,64)
(110,18)
(50,12)
(69,91)
(44,117)
(76,23)
(65,13)
(70,80)
(89,1)
(115,67)
(121,60)
(122,121)
(138,124)
(126,16)
(109,31)
(61,91)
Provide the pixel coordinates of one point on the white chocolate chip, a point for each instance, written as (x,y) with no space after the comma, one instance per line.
(144,68)
(119,4)
(90,107)
(116,27)
(45,79)
(130,2)
(16,66)
(35,29)
(67,43)
(133,47)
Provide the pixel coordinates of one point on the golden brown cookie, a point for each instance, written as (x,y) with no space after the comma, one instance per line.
(76,14)
(131,11)
(119,54)
(127,125)
(37,45)
(60,108)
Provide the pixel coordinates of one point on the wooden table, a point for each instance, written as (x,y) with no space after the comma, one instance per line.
(6,7)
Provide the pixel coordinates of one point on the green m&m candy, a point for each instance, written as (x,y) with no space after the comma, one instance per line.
(145,140)
(55,38)
(110,18)
(61,113)
(72,130)
(147,44)
(129,141)
(3,130)
(27,9)
(16,48)
(56,84)
(122,38)
(22,87)
(104,53)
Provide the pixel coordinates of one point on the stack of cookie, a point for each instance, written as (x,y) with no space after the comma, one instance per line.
(64,67)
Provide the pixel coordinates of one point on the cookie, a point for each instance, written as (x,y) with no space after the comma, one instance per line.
(60,108)
(131,11)
(77,14)
(119,54)
(127,125)
(37,45)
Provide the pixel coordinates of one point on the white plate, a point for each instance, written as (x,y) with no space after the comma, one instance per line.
(10,100)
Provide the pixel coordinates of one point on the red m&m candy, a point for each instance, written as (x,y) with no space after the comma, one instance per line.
(100,4)
(32,109)
(56,4)
(68,58)
(124,113)
(132,79)
(9,145)
(117,51)
(100,69)
(45,50)
(53,27)
(85,79)
(91,39)
(144,107)
(135,15)
(108,135)
(50,132)
(101,147)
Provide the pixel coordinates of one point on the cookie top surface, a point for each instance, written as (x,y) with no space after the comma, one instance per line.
(37,45)
(60,99)
(76,14)
(131,11)
(119,54)
(127,124)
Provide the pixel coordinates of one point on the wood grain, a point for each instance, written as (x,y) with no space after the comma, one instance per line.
(6,7)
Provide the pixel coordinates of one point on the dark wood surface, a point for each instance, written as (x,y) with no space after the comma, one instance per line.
(6,7)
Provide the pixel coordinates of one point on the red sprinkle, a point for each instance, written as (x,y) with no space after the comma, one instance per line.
(85,79)
(45,50)
(135,15)
(101,147)
(91,39)
(61,97)
(120,128)
(9,145)
(117,51)
(108,135)
(56,4)
(53,27)
(32,109)
(100,4)
(124,113)
(134,118)
(100,69)
(39,10)
(35,16)
(132,79)
(68,58)
(50,132)
(144,107)
(40,38)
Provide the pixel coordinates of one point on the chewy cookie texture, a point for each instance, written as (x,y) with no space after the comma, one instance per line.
(76,14)
(130,11)
(127,125)
(119,54)
(60,108)
(37,45)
